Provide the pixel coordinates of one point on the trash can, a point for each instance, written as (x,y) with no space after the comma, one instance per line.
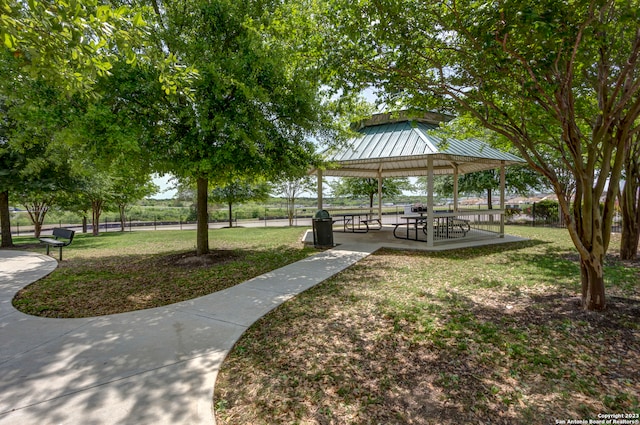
(322,230)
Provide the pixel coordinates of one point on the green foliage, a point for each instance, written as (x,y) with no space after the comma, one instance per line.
(254,104)
(357,187)
(249,112)
(558,80)
(70,42)
(518,180)
(290,186)
(239,191)
(545,210)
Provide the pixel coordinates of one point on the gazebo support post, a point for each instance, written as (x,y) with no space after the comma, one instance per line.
(380,194)
(502,196)
(430,215)
(455,188)
(319,174)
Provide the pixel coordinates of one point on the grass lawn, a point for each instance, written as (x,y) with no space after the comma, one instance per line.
(484,335)
(118,272)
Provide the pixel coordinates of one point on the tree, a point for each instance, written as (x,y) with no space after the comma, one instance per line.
(36,163)
(108,133)
(129,186)
(118,124)
(559,80)
(66,44)
(240,191)
(37,209)
(76,202)
(630,203)
(69,45)
(253,105)
(356,187)
(290,187)
(96,191)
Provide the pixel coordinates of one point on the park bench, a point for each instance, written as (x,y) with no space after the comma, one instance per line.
(61,237)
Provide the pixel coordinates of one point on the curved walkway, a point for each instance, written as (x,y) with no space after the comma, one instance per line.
(155,366)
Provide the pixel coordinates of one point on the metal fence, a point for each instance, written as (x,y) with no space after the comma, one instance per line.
(545,215)
(111,223)
(537,214)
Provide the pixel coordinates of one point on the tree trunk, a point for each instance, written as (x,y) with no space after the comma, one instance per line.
(202,237)
(630,209)
(123,219)
(230,215)
(589,235)
(84,223)
(37,212)
(5,221)
(490,204)
(290,210)
(592,274)
(37,228)
(96,210)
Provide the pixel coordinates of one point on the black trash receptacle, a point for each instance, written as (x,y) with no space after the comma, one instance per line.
(322,230)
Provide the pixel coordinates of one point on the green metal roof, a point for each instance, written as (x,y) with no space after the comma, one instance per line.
(400,148)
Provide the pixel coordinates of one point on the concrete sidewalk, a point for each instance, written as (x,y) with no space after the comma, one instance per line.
(155,366)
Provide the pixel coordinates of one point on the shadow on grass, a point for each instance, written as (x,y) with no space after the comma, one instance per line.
(536,258)
(389,341)
(88,287)
(448,360)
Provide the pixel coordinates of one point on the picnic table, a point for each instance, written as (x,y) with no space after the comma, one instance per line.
(358,222)
(414,222)
(445,225)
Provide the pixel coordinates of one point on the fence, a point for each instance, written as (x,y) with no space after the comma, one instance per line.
(537,214)
(545,214)
(111,223)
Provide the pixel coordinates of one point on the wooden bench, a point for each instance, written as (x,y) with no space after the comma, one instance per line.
(61,237)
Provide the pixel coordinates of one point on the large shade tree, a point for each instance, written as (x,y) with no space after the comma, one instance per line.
(67,44)
(108,134)
(558,79)
(251,107)
(35,163)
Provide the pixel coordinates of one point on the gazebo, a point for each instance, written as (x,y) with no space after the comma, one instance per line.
(399,145)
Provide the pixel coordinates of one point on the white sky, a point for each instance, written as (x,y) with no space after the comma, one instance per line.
(164,184)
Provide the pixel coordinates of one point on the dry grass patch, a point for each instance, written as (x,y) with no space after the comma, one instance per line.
(490,335)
